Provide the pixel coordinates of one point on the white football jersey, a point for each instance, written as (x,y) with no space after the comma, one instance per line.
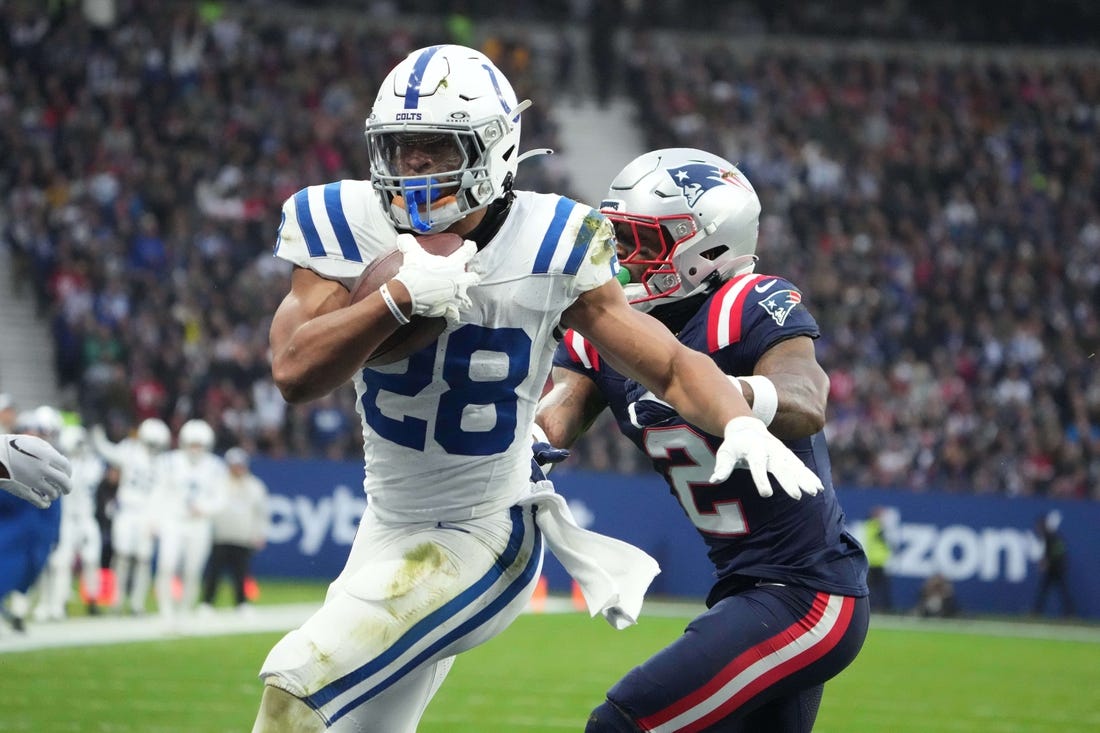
(447,432)
(189,488)
(88,472)
(136,472)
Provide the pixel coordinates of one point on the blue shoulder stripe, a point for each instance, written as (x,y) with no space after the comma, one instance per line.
(553,234)
(589,225)
(339,223)
(305,222)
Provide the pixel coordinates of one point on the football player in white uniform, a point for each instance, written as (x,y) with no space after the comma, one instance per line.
(80,539)
(190,491)
(131,523)
(448,551)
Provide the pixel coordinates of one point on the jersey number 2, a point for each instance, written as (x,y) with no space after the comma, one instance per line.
(463,391)
(690,463)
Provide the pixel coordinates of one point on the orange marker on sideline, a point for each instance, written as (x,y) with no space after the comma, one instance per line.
(578,598)
(538,598)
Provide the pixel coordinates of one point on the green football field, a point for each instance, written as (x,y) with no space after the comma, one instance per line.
(547,671)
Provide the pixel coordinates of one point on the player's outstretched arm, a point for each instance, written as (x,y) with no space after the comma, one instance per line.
(642,348)
(32,469)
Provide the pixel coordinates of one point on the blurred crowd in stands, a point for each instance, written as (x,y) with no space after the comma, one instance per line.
(941,215)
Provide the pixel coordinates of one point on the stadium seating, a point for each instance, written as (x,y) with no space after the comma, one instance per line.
(937,207)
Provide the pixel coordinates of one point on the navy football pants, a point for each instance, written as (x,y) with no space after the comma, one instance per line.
(756,661)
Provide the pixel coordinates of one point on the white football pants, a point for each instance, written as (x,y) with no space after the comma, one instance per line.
(79,539)
(410,597)
(182,550)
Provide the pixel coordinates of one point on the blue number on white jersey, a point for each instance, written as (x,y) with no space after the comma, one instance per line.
(463,391)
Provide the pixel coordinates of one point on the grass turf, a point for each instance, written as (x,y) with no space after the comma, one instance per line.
(547,671)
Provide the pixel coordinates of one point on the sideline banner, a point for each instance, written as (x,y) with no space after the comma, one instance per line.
(986,545)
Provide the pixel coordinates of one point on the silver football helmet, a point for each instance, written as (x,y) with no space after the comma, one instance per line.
(443,137)
(684,219)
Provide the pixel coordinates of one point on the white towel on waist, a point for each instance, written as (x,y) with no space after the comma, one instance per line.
(613,575)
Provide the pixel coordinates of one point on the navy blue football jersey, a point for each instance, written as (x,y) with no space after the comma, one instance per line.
(749,537)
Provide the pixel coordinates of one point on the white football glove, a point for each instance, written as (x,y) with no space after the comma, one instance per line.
(748,444)
(38,472)
(437,285)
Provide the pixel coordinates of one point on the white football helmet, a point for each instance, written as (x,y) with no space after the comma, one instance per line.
(443,137)
(43,421)
(154,433)
(196,435)
(73,440)
(689,216)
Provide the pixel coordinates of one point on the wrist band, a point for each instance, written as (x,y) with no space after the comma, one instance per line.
(538,434)
(392,305)
(765,400)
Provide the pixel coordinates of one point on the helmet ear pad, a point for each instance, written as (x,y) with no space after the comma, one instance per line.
(452,92)
(701,203)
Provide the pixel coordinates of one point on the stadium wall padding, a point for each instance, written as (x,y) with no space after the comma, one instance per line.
(986,545)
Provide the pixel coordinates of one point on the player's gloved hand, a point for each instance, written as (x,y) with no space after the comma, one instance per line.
(436,284)
(544,454)
(645,408)
(748,444)
(38,473)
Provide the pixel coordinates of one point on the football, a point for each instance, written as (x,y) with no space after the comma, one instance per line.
(420,331)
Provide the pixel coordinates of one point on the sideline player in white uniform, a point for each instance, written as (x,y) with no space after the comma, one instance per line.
(190,490)
(80,539)
(448,551)
(131,524)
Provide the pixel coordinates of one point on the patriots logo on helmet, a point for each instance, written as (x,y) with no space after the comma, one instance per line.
(695,179)
(780,304)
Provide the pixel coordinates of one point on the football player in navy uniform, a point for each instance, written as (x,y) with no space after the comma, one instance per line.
(449,549)
(789,609)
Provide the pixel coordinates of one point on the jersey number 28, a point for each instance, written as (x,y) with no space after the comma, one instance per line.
(463,391)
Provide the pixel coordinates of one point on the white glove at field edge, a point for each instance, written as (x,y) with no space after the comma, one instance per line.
(38,472)
(748,444)
(437,285)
